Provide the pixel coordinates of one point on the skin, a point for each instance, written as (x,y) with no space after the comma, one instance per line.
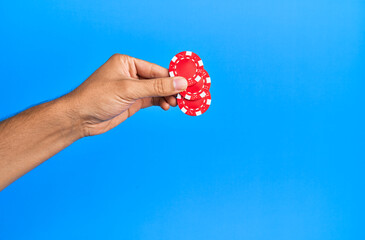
(114,92)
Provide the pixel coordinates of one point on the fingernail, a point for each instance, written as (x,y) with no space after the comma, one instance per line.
(180,83)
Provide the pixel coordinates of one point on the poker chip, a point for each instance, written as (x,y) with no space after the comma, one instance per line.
(196,99)
(196,107)
(198,90)
(188,65)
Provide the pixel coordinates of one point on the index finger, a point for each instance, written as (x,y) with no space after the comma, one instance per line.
(149,70)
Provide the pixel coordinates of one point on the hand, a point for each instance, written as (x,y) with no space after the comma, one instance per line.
(114,92)
(118,89)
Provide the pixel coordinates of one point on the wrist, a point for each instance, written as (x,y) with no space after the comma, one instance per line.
(68,118)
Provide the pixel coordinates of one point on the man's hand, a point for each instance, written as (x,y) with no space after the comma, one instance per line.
(120,88)
(114,92)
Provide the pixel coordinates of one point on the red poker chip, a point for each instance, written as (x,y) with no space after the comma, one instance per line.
(196,107)
(188,65)
(198,90)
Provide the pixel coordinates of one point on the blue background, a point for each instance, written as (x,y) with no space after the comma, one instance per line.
(279,155)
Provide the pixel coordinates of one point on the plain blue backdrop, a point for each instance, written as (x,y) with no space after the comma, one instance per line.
(280,154)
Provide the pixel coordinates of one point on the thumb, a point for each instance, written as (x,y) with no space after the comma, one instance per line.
(159,87)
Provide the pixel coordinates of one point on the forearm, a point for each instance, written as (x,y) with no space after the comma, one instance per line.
(33,136)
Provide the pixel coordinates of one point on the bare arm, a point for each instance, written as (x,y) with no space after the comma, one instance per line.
(33,136)
(114,92)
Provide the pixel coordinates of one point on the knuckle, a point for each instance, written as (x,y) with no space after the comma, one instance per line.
(159,86)
(119,57)
(115,56)
(152,72)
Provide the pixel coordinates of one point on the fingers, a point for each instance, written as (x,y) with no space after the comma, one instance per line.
(163,104)
(158,87)
(171,100)
(149,70)
(158,101)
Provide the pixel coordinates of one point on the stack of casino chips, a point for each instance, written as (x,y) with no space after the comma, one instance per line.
(196,99)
